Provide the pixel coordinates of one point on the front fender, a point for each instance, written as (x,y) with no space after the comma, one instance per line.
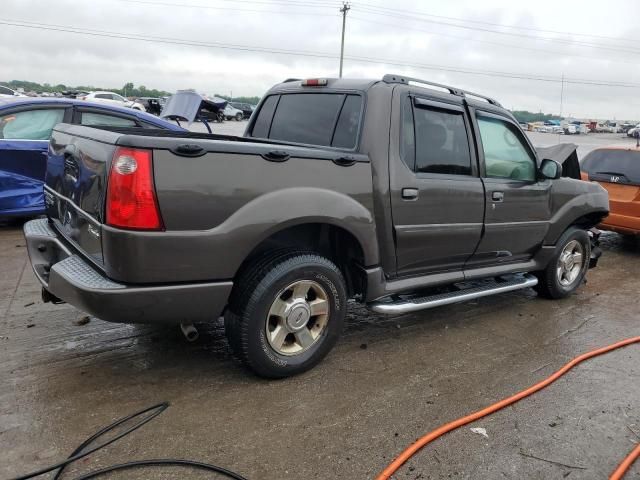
(574,199)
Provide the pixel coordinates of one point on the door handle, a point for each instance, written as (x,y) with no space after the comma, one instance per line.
(497,196)
(409,193)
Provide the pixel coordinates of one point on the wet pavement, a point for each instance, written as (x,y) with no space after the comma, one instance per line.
(387,382)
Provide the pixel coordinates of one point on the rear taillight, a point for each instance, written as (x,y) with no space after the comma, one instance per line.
(131,196)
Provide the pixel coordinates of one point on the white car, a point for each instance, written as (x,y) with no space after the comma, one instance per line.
(233,113)
(632,132)
(112,99)
(7,92)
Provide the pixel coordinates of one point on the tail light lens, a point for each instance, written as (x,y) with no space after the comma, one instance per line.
(131,196)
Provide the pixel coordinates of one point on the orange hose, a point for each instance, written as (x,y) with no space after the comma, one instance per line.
(625,464)
(438,432)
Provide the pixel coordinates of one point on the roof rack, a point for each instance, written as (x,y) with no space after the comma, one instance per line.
(391,78)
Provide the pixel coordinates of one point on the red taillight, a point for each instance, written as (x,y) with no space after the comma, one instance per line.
(131,196)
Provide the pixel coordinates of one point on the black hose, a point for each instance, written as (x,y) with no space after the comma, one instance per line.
(162,463)
(78,453)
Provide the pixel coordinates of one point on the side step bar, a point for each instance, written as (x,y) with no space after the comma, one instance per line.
(491,287)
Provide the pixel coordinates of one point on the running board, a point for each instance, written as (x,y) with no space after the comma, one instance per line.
(490,287)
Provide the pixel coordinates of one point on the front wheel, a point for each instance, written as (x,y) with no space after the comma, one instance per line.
(238,117)
(568,266)
(286,313)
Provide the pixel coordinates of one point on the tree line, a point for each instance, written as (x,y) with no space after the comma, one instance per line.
(127,90)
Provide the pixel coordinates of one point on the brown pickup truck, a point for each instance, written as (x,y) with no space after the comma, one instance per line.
(377,190)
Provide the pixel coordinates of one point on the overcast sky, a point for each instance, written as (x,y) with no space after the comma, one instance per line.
(600,43)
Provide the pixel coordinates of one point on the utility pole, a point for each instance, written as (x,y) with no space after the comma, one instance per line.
(561,95)
(345,8)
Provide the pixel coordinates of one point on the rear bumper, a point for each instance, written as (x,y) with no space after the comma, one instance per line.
(621,223)
(66,275)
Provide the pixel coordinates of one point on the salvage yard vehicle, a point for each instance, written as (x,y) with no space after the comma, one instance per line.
(25,129)
(378,190)
(618,170)
(111,98)
(233,113)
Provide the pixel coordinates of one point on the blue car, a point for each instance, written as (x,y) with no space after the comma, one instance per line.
(25,128)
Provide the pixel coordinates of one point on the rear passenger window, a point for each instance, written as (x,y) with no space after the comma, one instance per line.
(434,140)
(263,122)
(347,127)
(327,119)
(90,118)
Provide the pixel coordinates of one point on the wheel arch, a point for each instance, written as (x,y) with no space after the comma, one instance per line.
(325,236)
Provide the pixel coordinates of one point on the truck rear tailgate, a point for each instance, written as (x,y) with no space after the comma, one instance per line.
(75,185)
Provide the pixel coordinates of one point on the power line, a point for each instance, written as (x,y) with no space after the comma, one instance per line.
(294,3)
(302,53)
(370,11)
(480,22)
(488,42)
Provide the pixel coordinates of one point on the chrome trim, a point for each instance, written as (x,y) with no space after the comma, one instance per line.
(387,308)
(74,205)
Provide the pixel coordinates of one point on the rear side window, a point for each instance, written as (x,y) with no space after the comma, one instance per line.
(90,118)
(615,166)
(263,122)
(434,140)
(327,119)
(30,124)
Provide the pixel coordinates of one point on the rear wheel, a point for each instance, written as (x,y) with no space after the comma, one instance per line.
(568,266)
(238,117)
(286,313)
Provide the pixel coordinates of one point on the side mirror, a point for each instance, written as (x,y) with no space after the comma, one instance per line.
(550,169)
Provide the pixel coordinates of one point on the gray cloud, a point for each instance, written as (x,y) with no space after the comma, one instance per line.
(58,57)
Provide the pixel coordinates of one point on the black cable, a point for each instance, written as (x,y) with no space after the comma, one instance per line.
(162,463)
(78,453)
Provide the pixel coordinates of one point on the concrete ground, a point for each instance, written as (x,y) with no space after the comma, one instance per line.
(388,381)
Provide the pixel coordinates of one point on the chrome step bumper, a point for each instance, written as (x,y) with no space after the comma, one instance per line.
(492,287)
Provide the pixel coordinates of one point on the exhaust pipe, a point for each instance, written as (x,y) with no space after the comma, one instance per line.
(189,331)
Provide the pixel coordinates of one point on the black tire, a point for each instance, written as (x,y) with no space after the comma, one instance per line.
(549,284)
(238,117)
(256,289)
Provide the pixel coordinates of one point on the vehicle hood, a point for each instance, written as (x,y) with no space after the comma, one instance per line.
(566,155)
(185,105)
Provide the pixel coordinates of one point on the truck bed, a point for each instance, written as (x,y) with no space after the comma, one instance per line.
(218,196)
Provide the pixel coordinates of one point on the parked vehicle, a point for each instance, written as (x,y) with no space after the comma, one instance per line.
(114,99)
(569,129)
(247,109)
(151,105)
(634,132)
(189,106)
(8,92)
(370,189)
(25,128)
(617,169)
(232,113)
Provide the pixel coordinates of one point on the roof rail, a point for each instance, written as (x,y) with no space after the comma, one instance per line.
(391,78)
(291,80)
